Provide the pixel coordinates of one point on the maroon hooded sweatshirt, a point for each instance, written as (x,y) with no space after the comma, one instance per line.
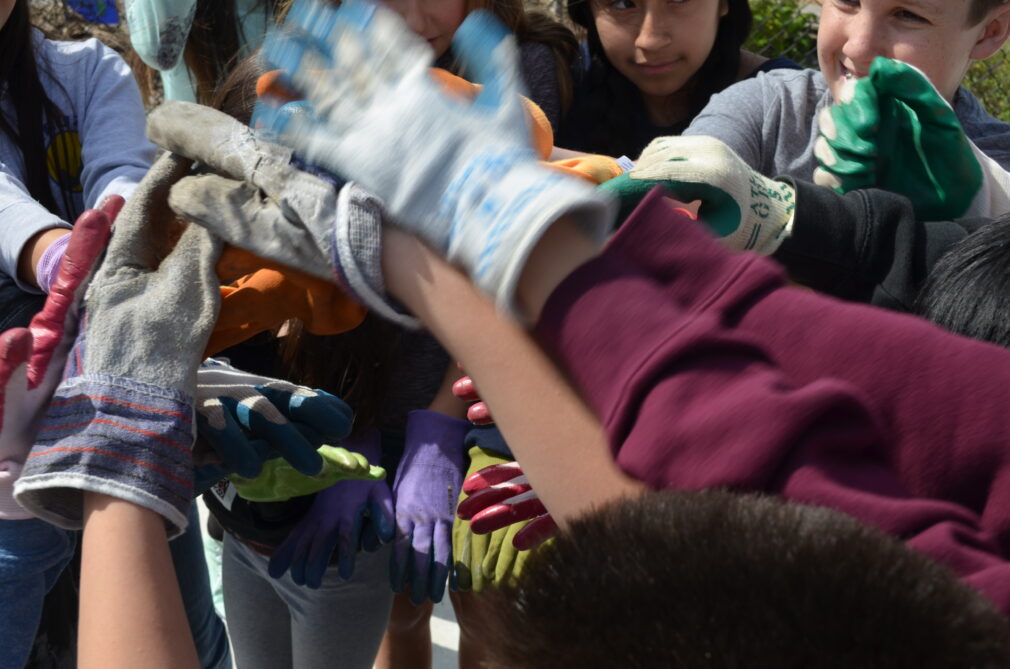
(708,370)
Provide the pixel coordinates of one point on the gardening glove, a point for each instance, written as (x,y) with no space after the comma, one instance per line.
(121,419)
(274,85)
(465,178)
(279,481)
(424,496)
(299,219)
(749,211)
(480,559)
(260,295)
(499,496)
(893,130)
(345,517)
(247,419)
(32,360)
(477,413)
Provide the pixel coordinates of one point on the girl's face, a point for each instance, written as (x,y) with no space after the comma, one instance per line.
(434,20)
(6,7)
(657,44)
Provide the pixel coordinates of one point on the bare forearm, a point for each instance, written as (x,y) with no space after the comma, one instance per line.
(32,253)
(559,442)
(131,612)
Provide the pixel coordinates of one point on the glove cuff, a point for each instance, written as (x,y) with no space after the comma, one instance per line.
(114,436)
(500,216)
(357,247)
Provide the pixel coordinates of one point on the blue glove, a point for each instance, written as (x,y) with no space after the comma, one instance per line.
(465,178)
(246,418)
(344,517)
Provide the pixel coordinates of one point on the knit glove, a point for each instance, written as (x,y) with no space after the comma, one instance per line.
(247,419)
(465,177)
(345,517)
(893,130)
(749,211)
(499,496)
(265,204)
(121,420)
(424,497)
(32,360)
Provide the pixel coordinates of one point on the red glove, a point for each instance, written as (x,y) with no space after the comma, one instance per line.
(499,496)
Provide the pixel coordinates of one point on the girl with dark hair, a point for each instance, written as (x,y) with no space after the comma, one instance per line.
(649,66)
(195,43)
(71,134)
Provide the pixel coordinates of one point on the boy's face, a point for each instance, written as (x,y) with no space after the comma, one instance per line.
(932,35)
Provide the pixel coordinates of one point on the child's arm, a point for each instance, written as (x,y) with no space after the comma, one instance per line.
(115,151)
(26,230)
(131,612)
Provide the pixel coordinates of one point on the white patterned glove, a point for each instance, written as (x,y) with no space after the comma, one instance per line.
(463,177)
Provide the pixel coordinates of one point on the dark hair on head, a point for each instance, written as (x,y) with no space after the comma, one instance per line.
(212,48)
(22,87)
(968,290)
(612,95)
(236,96)
(723,580)
(980,9)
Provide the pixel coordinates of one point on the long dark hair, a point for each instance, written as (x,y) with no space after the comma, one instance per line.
(20,83)
(611,95)
(212,48)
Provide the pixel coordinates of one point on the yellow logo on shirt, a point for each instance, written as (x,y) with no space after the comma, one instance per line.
(63,158)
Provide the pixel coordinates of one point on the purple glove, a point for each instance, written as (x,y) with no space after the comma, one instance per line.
(425,493)
(337,520)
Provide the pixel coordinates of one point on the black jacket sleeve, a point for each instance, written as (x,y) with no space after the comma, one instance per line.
(865,246)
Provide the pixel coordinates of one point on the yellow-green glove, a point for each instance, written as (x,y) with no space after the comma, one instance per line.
(279,481)
(893,130)
(484,559)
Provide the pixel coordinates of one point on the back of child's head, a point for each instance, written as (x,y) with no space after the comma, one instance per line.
(717,579)
(968,290)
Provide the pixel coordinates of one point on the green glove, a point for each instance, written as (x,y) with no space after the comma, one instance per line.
(893,130)
(279,481)
(749,211)
(482,559)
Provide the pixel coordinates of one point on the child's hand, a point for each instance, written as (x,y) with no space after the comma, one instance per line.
(893,130)
(343,517)
(425,493)
(461,176)
(749,211)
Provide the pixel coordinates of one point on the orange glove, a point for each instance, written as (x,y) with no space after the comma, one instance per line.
(260,295)
(593,168)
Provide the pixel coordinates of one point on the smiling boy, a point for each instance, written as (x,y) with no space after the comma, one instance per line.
(771,121)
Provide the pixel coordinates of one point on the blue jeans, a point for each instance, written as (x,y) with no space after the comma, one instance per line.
(32,555)
(16,306)
(208,631)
